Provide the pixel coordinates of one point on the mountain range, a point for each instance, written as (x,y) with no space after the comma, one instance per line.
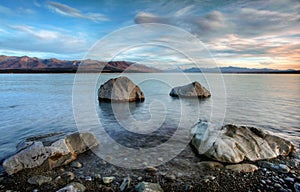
(25,64)
(232,69)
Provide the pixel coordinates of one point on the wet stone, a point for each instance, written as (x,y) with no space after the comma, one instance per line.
(107,180)
(39,180)
(68,176)
(76,164)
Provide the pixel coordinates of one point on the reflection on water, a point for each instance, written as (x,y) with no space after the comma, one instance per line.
(34,104)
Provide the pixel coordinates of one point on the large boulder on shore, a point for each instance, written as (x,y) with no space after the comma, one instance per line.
(194,89)
(50,155)
(234,144)
(120,89)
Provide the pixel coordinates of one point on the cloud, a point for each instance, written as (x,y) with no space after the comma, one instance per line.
(72,12)
(5,10)
(23,10)
(253,31)
(30,39)
(206,25)
(266,62)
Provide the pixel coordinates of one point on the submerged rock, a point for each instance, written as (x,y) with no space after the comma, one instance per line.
(194,89)
(148,187)
(58,153)
(120,89)
(234,144)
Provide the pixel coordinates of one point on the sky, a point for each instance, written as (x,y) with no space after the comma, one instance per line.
(241,33)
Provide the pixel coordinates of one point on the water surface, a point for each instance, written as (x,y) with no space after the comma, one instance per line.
(33,104)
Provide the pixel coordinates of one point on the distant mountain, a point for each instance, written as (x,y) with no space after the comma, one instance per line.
(231,69)
(24,64)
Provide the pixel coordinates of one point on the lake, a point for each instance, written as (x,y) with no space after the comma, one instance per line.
(34,104)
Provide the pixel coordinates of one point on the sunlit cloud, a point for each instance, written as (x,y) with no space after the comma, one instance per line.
(244,33)
(72,12)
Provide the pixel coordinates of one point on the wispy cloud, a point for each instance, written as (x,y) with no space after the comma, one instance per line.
(30,39)
(5,10)
(72,12)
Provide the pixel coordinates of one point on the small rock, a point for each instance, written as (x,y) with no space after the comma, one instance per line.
(67,176)
(263,182)
(88,178)
(148,187)
(179,174)
(210,164)
(171,177)
(289,179)
(97,176)
(139,178)
(35,190)
(281,180)
(125,184)
(277,185)
(76,164)
(188,187)
(160,159)
(297,187)
(264,169)
(209,178)
(107,180)
(39,180)
(151,169)
(73,187)
(57,178)
(281,168)
(245,167)
(282,190)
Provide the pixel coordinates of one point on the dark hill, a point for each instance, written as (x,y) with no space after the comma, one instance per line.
(24,64)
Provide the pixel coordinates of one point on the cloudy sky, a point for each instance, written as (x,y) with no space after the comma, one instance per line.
(254,34)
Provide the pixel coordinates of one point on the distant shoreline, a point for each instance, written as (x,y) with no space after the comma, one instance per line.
(55,71)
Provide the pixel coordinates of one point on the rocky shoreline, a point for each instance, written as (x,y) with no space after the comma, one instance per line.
(189,171)
(186,172)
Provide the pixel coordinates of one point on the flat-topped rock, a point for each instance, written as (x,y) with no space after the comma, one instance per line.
(120,89)
(58,153)
(194,89)
(234,144)
(244,167)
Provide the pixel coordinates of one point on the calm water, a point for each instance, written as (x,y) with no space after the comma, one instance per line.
(33,104)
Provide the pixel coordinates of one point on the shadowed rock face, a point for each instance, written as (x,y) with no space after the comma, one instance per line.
(120,89)
(194,89)
(57,153)
(234,144)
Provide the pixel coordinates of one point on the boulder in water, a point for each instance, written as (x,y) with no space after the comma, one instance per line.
(120,89)
(194,89)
